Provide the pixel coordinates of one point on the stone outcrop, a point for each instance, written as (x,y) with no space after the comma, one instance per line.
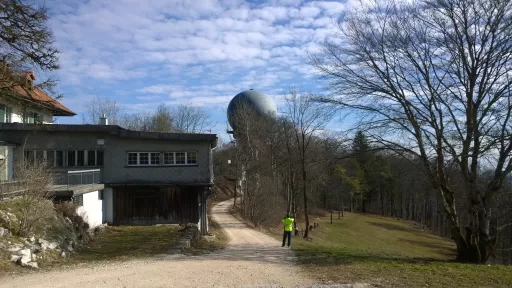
(26,254)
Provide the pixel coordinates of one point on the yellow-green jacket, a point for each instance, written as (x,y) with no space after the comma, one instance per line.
(288,223)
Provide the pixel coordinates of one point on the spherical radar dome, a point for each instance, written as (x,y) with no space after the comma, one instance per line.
(257,101)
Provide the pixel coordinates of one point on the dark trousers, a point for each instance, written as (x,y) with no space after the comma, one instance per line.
(289,235)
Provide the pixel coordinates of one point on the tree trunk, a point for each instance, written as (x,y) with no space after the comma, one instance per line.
(351,204)
(474,244)
(342,208)
(304,190)
(234,201)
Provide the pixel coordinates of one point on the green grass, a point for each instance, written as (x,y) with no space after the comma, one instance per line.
(389,253)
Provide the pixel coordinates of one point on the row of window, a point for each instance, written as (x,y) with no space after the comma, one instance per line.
(94,158)
(28,117)
(161,158)
(69,158)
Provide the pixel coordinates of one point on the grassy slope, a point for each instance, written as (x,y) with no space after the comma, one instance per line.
(389,253)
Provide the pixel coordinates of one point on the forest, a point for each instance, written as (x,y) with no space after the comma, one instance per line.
(292,165)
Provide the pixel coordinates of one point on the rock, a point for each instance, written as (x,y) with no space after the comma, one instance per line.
(4,232)
(15,247)
(47,245)
(32,265)
(35,249)
(63,254)
(15,258)
(70,245)
(34,257)
(26,256)
(53,245)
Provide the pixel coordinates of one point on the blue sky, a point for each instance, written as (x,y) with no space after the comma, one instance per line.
(199,52)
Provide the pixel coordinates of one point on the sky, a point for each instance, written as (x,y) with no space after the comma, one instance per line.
(197,52)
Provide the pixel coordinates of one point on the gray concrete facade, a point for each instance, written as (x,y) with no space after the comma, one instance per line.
(115,148)
(115,144)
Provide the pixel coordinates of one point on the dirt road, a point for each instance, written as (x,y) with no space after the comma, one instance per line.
(252,259)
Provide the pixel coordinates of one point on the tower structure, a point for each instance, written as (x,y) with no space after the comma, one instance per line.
(244,105)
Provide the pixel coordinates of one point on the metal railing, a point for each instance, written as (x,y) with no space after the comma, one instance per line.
(78,177)
(12,188)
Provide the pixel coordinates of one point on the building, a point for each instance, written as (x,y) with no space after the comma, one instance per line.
(30,105)
(121,176)
(116,175)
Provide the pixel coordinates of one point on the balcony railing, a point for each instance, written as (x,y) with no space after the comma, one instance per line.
(77,177)
(62,180)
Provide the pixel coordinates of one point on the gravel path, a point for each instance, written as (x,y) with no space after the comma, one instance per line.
(252,259)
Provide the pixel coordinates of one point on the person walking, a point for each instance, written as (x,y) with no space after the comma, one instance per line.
(288,228)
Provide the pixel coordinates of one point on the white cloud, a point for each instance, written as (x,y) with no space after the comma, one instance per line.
(200,52)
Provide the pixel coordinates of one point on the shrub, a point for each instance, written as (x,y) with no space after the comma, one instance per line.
(30,217)
(61,231)
(68,210)
(9,220)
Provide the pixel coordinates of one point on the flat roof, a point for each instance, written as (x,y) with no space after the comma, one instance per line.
(110,129)
(5,143)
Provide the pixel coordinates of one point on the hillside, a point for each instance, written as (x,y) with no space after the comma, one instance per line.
(389,253)
(222,189)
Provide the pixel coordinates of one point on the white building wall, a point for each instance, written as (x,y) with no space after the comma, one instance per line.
(108,205)
(16,115)
(6,164)
(92,209)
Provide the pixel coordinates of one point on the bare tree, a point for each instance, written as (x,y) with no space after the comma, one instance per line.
(136,121)
(432,79)
(308,118)
(25,43)
(162,119)
(31,186)
(99,106)
(191,119)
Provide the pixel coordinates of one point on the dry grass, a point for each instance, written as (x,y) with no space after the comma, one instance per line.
(389,253)
(114,243)
(218,239)
(128,242)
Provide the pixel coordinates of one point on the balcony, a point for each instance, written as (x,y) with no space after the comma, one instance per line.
(66,183)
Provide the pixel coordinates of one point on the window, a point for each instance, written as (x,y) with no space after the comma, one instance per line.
(155,158)
(32,117)
(169,158)
(191,157)
(80,158)
(39,156)
(143,158)
(50,158)
(99,158)
(132,158)
(59,158)
(181,158)
(29,156)
(78,200)
(71,158)
(95,158)
(5,113)
(91,158)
